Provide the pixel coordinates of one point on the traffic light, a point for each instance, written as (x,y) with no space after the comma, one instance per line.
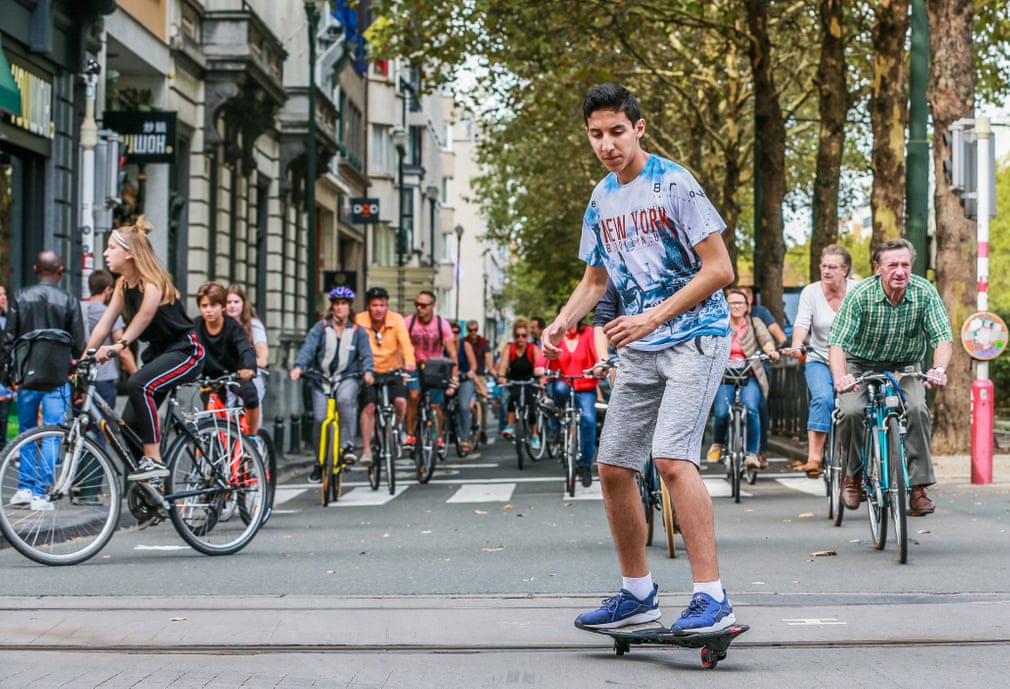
(953,161)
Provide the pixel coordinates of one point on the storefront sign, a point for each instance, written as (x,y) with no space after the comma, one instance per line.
(364,211)
(148,137)
(36,103)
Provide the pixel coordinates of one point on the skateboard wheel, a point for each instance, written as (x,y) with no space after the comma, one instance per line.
(709,658)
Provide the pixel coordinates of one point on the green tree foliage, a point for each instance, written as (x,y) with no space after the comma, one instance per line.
(999,280)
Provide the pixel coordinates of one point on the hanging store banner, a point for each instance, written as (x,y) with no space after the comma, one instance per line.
(148,137)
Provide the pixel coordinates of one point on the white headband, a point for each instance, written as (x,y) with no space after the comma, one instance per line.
(120,240)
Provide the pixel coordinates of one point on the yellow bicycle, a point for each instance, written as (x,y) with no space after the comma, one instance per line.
(330,454)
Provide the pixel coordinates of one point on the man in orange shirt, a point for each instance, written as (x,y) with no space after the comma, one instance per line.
(391,349)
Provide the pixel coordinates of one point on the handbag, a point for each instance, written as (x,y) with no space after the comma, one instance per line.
(41,359)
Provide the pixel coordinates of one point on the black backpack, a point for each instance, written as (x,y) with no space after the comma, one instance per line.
(41,359)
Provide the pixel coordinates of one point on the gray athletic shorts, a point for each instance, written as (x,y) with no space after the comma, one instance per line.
(661,401)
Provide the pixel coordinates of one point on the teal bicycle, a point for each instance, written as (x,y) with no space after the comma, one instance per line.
(882,458)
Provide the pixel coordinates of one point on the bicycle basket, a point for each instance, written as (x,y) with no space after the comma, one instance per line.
(435,373)
(737,373)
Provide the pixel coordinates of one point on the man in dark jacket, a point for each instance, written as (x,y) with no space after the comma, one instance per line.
(44,306)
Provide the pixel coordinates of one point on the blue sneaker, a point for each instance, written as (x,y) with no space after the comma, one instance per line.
(705,614)
(621,610)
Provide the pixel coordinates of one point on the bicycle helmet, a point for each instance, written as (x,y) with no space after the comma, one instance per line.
(376,293)
(345,293)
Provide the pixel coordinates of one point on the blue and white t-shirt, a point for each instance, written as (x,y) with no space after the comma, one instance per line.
(644,233)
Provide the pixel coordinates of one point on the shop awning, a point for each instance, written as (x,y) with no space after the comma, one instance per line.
(10,94)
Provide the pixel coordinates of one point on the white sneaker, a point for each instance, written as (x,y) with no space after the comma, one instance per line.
(41,504)
(753,462)
(21,498)
(148,469)
(366,459)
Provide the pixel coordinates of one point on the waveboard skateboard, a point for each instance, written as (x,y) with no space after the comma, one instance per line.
(713,645)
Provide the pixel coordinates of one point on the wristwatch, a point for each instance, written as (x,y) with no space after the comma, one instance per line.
(123,341)
(940,369)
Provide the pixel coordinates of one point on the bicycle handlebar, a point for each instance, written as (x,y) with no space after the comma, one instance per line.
(887,376)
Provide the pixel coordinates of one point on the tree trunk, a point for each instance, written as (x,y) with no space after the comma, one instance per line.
(833,105)
(951,96)
(888,120)
(770,132)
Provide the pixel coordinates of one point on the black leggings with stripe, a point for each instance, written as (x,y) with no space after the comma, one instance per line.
(147,388)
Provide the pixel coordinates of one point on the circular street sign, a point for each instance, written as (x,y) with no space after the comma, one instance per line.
(984,336)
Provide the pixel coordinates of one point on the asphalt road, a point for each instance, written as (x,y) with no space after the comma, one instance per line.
(473,581)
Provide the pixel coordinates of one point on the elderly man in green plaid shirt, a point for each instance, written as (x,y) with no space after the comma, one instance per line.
(889,322)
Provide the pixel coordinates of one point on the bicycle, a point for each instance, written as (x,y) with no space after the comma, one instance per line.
(569,418)
(738,373)
(656,498)
(386,436)
(87,483)
(330,453)
(520,425)
(882,456)
(427,435)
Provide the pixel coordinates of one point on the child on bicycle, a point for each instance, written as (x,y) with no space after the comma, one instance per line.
(339,348)
(149,302)
(228,349)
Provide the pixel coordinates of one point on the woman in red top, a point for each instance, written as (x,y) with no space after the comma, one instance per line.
(578,353)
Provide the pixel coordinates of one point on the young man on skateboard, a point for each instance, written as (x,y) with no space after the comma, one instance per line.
(651,229)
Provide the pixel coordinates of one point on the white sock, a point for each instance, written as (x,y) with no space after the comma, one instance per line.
(712,588)
(639,587)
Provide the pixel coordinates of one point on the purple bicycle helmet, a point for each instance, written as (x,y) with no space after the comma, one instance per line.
(342,292)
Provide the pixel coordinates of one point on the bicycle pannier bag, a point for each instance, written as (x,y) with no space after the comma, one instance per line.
(41,359)
(436,373)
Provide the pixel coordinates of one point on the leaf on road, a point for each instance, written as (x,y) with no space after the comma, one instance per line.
(806,515)
(923,531)
(496,549)
(177,619)
(480,511)
(823,553)
(508,507)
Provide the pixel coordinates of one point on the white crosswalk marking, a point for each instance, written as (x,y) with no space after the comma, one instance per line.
(483,492)
(359,497)
(804,485)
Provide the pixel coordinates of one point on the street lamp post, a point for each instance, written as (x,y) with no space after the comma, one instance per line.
(400,138)
(459,266)
(313,12)
(432,201)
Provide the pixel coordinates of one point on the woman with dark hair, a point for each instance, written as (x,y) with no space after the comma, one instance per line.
(338,348)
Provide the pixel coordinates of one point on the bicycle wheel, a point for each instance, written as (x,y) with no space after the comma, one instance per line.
(390,453)
(85,510)
(834,475)
(203,478)
(269,455)
(378,453)
(425,449)
(476,429)
(737,430)
(327,464)
(571,457)
(669,519)
(646,481)
(520,436)
(876,505)
(897,489)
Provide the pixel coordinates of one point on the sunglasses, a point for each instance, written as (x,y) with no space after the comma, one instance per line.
(471,330)
(521,335)
(378,338)
(423,304)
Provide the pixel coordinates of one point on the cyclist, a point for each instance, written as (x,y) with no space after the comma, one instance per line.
(339,348)
(391,349)
(481,349)
(651,229)
(470,385)
(749,335)
(149,303)
(887,322)
(228,349)
(518,363)
(578,353)
(819,302)
(239,308)
(432,337)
